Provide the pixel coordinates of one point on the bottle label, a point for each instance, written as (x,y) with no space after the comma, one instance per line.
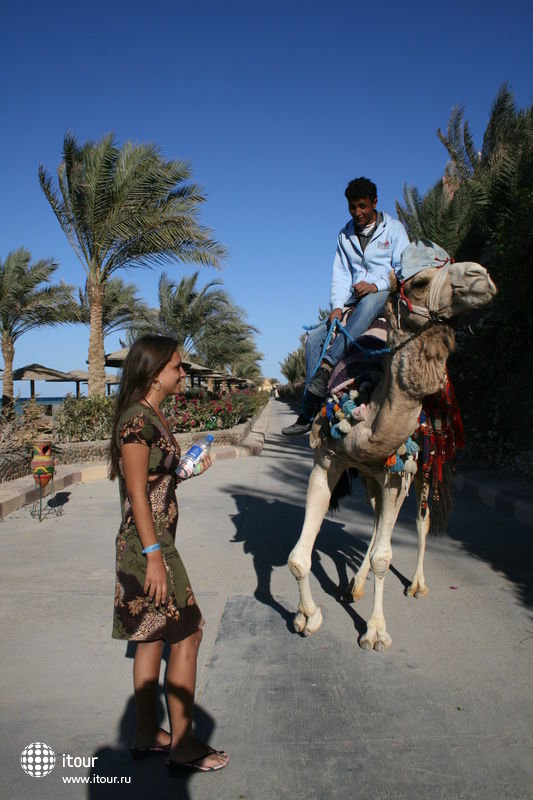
(194,452)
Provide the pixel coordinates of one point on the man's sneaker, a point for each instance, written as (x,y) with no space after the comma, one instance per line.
(298,428)
(318,385)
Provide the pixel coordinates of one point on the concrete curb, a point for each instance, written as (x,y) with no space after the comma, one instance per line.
(501,501)
(23,491)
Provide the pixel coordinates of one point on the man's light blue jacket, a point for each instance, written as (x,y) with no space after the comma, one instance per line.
(382,253)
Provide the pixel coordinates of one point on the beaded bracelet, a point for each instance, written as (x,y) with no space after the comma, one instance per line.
(151,548)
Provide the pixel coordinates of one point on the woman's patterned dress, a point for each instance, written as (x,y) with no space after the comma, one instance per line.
(135,615)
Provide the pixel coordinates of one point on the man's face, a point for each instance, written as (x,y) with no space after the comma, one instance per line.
(363,211)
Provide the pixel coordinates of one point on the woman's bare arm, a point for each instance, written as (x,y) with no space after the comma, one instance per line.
(135,459)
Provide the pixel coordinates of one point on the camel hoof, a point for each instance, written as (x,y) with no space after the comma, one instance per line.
(372,640)
(314,621)
(299,622)
(414,590)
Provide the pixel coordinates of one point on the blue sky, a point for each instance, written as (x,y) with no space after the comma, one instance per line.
(276,106)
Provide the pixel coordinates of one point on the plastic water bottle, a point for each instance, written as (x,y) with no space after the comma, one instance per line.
(193,456)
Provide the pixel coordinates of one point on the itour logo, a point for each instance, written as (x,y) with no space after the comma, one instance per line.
(38,759)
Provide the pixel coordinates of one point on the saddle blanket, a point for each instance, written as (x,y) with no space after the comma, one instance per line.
(363,360)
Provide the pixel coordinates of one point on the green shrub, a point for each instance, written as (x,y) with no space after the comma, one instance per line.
(292,391)
(17,431)
(85,419)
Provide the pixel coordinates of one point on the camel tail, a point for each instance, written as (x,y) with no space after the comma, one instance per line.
(343,488)
(442,502)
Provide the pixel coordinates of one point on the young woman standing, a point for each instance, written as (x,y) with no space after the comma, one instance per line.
(154,602)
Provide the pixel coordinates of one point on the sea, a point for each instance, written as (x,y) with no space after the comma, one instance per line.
(41,401)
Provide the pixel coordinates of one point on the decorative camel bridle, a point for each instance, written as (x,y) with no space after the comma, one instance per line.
(433,311)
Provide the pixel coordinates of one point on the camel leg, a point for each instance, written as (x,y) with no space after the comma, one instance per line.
(392,497)
(418,587)
(308,619)
(356,587)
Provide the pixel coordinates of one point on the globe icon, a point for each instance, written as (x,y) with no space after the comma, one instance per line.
(37,759)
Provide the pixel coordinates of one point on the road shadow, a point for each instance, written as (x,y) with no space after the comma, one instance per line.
(502,542)
(269,528)
(480,531)
(59,500)
(117,775)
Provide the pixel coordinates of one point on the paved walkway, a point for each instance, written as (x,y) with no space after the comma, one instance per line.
(447,712)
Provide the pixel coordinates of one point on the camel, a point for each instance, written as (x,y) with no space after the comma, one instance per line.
(420,337)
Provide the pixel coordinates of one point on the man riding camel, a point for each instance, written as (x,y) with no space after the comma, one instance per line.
(368,248)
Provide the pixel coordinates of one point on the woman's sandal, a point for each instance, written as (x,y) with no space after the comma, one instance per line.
(175,767)
(138,753)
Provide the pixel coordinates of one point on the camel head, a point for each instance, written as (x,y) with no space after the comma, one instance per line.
(428,304)
(443,294)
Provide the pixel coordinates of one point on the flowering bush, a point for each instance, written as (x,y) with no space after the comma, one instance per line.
(91,418)
(198,411)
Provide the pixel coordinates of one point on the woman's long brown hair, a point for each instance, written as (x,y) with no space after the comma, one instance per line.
(148,355)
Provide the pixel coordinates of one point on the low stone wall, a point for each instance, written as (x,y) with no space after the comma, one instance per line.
(79,452)
(16,465)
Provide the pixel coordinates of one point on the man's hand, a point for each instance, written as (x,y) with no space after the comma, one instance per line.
(362,288)
(335,314)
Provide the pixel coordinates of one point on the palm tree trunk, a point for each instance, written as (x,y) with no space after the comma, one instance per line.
(95,293)
(8,352)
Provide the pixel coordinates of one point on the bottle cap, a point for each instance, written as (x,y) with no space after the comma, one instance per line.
(210,438)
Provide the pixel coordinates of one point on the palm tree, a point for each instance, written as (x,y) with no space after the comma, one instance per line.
(293,367)
(481,211)
(124,207)
(29,301)
(229,343)
(207,324)
(190,314)
(121,308)
(235,351)
(477,194)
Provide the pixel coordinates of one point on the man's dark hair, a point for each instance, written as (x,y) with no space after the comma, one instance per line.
(361,187)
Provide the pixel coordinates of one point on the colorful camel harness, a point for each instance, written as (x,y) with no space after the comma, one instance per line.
(439,433)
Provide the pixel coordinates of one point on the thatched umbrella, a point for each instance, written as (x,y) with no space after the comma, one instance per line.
(77,376)
(117,358)
(111,380)
(36,372)
(192,369)
(80,376)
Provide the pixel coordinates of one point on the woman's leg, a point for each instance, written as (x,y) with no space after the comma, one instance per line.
(180,687)
(146,668)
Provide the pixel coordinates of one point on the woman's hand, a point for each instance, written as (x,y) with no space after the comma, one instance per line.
(202,465)
(155,585)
